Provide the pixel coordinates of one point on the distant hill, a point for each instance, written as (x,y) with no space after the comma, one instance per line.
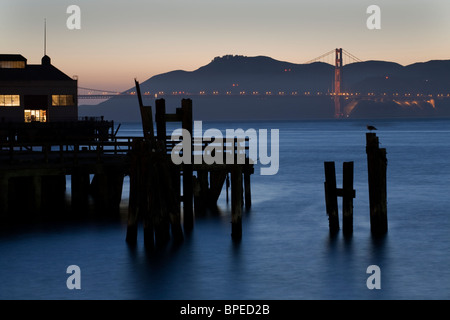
(236,74)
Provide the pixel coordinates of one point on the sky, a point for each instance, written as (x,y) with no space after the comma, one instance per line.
(122,40)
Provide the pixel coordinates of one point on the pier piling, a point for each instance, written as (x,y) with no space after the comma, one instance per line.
(248,170)
(188,192)
(80,182)
(377,166)
(236,202)
(347,198)
(331,197)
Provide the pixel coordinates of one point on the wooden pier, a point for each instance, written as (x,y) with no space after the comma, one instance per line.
(158,187)
(35,161)
(33,175)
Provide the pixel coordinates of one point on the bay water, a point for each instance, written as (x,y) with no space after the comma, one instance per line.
(286,250)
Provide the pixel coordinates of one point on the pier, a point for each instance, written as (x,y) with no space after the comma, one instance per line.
(36,159)
(158,187)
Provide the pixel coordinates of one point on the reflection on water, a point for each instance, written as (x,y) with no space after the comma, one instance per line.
(286,251)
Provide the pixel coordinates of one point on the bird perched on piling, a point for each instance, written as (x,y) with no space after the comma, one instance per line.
(370,128)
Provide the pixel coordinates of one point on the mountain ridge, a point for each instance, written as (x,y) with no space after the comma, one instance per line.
(241,75)
(262,73)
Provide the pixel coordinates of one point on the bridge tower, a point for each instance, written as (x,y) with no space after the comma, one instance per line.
(337,84)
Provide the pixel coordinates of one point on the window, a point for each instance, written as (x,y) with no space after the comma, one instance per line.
(9,100)
(63,100)
(12,64)
(35,115)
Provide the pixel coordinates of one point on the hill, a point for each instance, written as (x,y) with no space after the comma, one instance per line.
(240,74)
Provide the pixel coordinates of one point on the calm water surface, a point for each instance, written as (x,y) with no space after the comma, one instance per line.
(286,251)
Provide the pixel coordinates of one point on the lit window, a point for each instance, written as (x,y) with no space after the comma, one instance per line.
(62,100)
(35,115)
(12,64)
(10,100)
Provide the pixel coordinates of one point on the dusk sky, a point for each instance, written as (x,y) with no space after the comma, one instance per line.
(121,40)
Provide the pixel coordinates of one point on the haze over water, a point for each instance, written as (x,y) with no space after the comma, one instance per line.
(286,251)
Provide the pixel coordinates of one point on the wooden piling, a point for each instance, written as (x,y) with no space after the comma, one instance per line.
(160,114)
(227,186)
(106,188)
(115,178)
(175,209)
(146,115)
(162,194)
(201,190)
(99,191)
(80,182)
(377,165)
(147,206)
(188,194)
(216,180)
(348,194)
(331,197)
(247,186)
(236,202)
(133,202)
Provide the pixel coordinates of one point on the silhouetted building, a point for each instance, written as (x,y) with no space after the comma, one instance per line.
(35,93)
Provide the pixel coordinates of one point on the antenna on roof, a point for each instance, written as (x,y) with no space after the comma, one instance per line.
(45,59)
(45,37)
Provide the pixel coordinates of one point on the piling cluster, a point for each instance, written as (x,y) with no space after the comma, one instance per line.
(158,186)
(377,165)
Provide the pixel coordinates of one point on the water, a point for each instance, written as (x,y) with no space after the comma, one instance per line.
(286,251)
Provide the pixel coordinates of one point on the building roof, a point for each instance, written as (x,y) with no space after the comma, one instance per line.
(12,57)
(32,72)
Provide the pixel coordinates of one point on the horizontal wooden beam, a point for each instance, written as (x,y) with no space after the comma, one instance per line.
(173,117)
(341,192)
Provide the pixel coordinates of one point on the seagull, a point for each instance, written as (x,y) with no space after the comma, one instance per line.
(370,128)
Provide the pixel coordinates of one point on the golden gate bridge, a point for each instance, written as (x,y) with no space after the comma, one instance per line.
(337,57)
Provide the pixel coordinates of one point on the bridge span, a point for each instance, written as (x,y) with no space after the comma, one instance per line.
(337,93)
